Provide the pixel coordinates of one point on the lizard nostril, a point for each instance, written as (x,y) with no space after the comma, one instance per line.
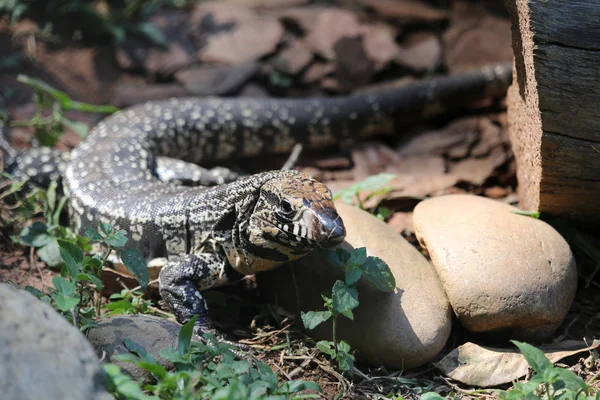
(332,230)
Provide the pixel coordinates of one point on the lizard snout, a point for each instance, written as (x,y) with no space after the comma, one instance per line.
(331,228)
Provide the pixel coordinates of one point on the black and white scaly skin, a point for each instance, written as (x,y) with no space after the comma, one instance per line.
(129,172)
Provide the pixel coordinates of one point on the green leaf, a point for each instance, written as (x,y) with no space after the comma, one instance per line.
(292,387)
(336,257)
(172,355)
(79,128)
(72,256)
(376,182)
(64,303)
(55,219)
(185,336)
(118,307)
(105,109)
(372,183)
(90,278)
(61,96)
(134,261)
(357,257)
(106,228)
(93,234)
(344,358)
(154,368)
(534,356)
(123,384)
(312,319)
(50,254)
(344,297)
(63,286)
(35,235)
(571,380)
(532,214)
(353,274)
(116,239)
(326,347)
(383,213)
(51,195)
(378,273)
(432,396)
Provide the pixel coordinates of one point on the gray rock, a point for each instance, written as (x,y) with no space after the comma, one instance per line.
(403,329)
(502,272)
(42,355)
(152,333)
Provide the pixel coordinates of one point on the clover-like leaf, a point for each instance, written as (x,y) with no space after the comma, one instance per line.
(312,319)
(136,263)
(378,273)
(344,297)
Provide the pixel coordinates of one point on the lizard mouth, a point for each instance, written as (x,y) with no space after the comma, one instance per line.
(324,229)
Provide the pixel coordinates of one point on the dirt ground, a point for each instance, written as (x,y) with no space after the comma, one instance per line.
(299,48)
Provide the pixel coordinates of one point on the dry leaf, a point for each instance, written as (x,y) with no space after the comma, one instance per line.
(481,366)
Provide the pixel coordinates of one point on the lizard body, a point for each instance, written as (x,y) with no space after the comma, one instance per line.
(139,171)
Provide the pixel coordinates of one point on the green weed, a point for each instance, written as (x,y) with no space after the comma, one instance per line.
(94,22)
(344,297)
(49,128)
(374,186)
(548,382)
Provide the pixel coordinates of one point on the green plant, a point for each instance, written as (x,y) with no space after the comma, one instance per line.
(548,382)
(128,302)
(344,297)
(44,235)
(76,292)
(375,186)
(213,370)
(49,128)
(97,21)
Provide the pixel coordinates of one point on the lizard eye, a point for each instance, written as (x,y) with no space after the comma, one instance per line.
(286,207)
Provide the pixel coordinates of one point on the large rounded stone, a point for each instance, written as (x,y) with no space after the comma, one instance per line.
(42,355)
(502,271)
(151,333)
(403,329)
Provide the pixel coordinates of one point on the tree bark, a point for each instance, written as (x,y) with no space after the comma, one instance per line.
(554,106)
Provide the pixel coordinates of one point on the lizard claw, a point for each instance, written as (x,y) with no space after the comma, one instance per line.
(201,330)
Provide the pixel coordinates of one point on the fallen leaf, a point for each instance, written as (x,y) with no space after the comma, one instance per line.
(294,58)
(401,221)
(460,133)
(266,4)
(478,170)
(137,53)
(380,45)
(247,41)
(127,94)
(405,10)
(420,52)
(216,80)
(332,25)
(482,366)
(477,40)
(353,67)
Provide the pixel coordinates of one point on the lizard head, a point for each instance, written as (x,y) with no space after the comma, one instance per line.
(294,214)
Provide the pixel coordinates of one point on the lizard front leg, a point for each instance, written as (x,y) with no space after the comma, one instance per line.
(181,281)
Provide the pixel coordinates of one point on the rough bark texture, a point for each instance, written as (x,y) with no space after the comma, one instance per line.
(553,106)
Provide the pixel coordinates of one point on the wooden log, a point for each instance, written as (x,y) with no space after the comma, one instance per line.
(554,106)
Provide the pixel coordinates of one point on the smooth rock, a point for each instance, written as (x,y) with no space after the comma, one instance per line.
(152,333)
(403,329)
(502,272)
(44,356)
